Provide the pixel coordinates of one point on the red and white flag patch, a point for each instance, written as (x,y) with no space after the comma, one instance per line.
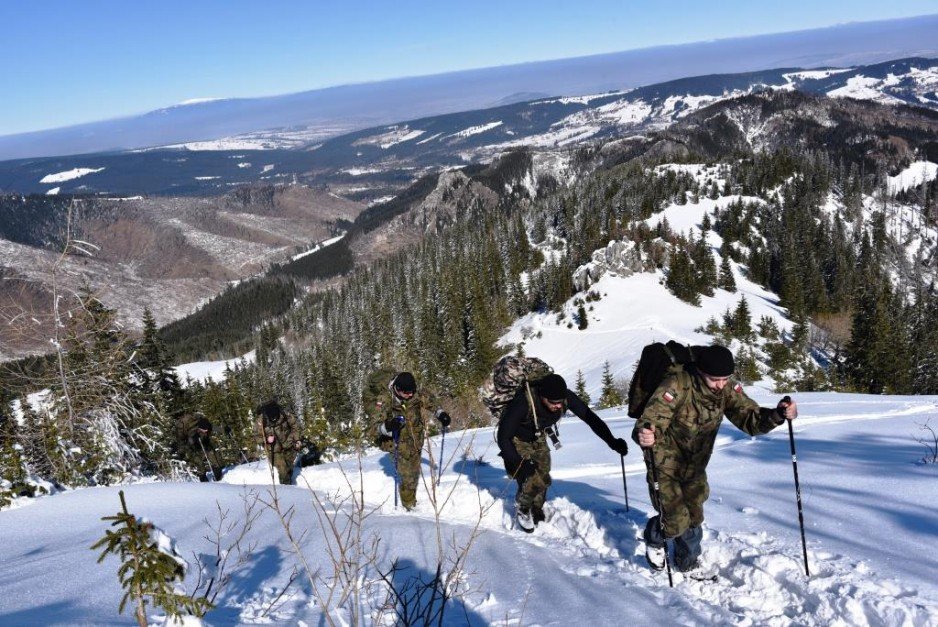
(668,397)
(738,388)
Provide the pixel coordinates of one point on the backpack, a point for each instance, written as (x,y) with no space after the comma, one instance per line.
(508,375)
(656,363)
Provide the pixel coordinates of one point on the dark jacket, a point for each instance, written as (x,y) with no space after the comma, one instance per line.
(517,422)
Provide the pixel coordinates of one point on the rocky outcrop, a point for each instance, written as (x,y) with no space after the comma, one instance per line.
(619,258)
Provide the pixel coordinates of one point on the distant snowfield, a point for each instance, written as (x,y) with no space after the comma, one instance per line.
(869,516)
(68,175)
(917,173)
(214,370)
(319,246)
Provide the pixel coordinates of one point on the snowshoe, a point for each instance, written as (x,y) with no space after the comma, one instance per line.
(656,556)
(525,521)
(699,571)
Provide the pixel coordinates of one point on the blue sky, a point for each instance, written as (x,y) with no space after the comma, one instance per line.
(63,62)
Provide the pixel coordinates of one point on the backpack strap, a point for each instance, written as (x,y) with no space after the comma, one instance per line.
(527,390)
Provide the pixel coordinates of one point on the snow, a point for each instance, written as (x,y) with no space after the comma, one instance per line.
(814,74)
(68,175)
(214,370)
(206,178)
(917,173)
(429,139)
(53,191)
(580,99)
(192,101)
(393,136)
(319,246)
(475,130)
(244,164)
(870,529)
(864,88)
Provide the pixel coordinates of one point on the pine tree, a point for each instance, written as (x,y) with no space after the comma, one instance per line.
(680,277)
(726,281)
(582,320)
(148,571)
(580,388)
(610,395)
(742,321)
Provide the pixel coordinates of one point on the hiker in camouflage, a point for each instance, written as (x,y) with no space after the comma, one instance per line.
(194,444)
(280,434)
(683,416)
(395,410)
(526,423)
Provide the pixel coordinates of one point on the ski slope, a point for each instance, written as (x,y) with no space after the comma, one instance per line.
(869,507)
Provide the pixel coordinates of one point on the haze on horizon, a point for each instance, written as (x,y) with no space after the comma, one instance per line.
(69,63)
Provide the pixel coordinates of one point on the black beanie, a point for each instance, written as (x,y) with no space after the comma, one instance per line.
(204,424)
(405,382)
(269,410)
(717,361)
(552,387)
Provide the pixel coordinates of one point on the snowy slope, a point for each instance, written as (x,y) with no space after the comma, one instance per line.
(637,310)
(868,506)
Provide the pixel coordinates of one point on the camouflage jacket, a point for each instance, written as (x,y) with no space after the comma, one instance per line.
(380,403)
(285,431)
(188,435)
(686,416)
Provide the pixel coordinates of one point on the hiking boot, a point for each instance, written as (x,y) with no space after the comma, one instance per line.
(700,571)
(656,556)
(525,520)
(537,513)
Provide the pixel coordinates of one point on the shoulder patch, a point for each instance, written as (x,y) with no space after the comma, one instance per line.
(668,397)
(738,388)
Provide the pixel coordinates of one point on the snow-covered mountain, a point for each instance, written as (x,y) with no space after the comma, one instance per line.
(372,163)
(311,116)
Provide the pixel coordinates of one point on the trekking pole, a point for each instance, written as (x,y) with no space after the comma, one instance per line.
(210,474)
(439,473)
(654,478)
(794,465)
(397,438)
(625,486)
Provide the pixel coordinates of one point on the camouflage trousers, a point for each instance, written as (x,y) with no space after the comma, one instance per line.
(533,492)
(283,462)
(409,452)
(681,500)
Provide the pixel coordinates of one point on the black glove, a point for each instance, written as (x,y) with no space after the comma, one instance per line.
(443,417)
(394,425)
(620,446)
(525,470)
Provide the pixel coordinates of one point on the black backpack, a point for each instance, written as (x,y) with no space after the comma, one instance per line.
(656,363)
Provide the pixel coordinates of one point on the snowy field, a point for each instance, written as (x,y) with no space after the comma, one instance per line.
(869,509)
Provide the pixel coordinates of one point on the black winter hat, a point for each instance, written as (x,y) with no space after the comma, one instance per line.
(204,424)
(405,382)
(717,361)
(552,387)
(269,410)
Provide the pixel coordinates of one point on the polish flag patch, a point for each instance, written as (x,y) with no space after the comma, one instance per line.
(668,397)
(738,388)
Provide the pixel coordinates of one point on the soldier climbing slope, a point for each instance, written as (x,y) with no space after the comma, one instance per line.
(683,417)
(280,436)
(522,435)
(395,409)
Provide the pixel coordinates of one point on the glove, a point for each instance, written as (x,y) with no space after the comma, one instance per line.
(525,470)
(620,446)
(443,417)
(394,425)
